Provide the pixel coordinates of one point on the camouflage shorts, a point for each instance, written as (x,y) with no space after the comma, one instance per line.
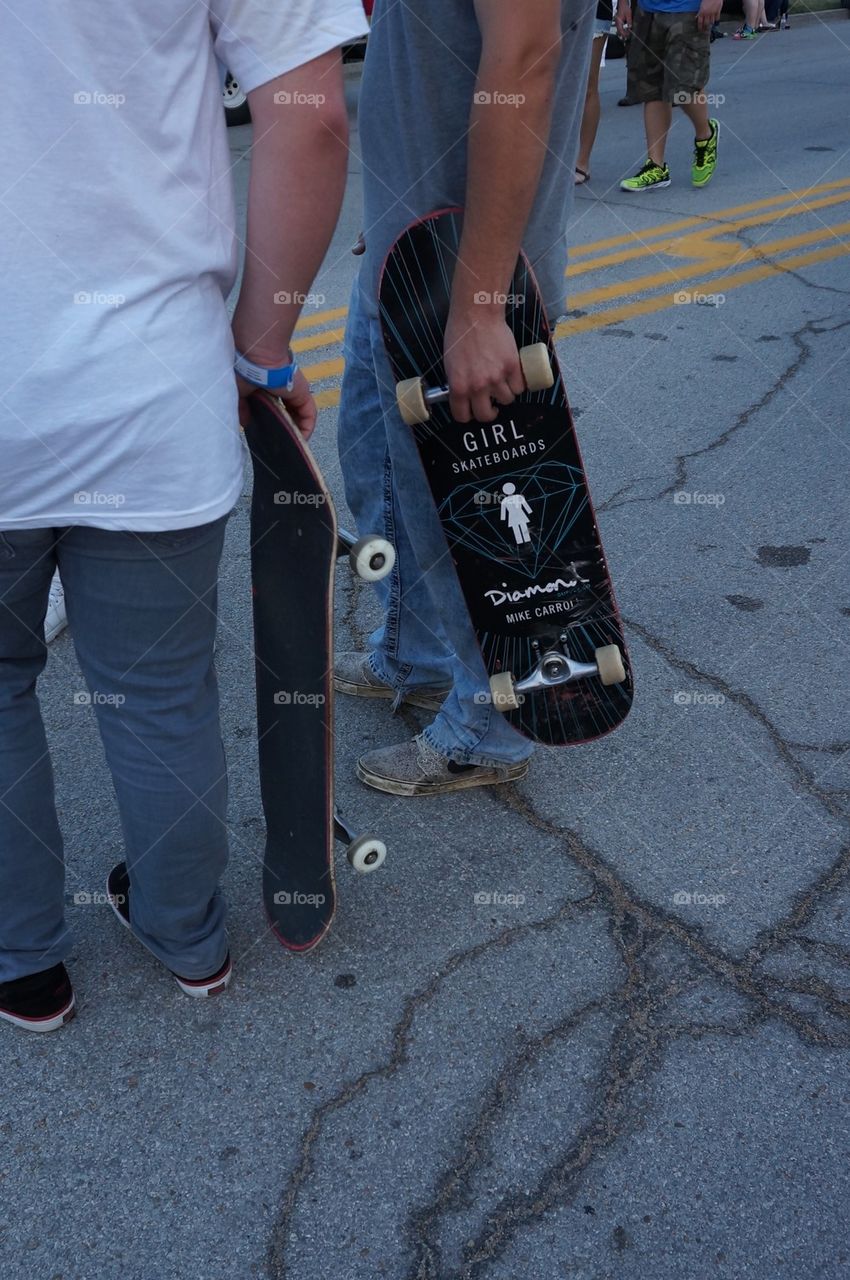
(668,57)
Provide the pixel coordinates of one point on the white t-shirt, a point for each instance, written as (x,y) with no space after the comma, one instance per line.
(117,251)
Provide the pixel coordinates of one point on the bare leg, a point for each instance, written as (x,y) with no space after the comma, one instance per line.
(751,13)
(592,106)
(697,113)
(657,117)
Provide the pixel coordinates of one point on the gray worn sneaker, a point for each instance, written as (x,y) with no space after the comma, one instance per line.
(354,675)
(416,769)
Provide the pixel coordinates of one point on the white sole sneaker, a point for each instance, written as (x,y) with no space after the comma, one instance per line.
(50,991)
(51,1023)
(197,988)
(416,769)
(207,986)
(56,618)
(431,701)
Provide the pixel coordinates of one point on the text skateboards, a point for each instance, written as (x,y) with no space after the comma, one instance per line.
(513,501)
(294,547)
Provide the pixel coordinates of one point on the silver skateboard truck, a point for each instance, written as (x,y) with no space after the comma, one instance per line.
(554,668)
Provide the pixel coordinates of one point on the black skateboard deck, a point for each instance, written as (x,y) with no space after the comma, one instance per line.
(294,547)
(514,504)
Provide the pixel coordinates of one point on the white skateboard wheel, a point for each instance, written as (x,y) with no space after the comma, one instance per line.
(502,691)
(537,367)
(609,662)
(411,401)
(372,558)
(366,853)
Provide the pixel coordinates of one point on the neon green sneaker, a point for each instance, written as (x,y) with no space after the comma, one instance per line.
(650,176)
(705,157)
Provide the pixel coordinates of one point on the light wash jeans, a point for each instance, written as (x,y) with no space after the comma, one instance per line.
(142,613)
(426,637)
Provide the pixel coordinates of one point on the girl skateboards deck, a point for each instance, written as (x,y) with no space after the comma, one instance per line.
(513,501)
(295,543)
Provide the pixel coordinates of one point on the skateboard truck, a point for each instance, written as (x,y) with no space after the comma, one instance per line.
(365,853)
(415,399)
(371,558)
(554,668)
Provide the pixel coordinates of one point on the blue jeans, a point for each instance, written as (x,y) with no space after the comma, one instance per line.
(142,612)
(426,637)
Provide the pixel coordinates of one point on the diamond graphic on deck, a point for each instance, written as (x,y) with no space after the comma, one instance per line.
(555,495)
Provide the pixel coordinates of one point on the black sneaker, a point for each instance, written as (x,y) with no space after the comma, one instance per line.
(40,1001)
(118,892)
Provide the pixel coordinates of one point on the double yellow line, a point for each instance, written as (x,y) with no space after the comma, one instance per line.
(706,250)
(707,255)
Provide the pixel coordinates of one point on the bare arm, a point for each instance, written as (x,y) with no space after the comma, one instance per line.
(508,134)
(298,172)
(709,13)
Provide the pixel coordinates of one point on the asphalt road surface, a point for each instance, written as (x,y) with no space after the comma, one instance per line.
(631,1060)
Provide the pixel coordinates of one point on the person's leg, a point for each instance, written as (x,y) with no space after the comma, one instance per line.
(646,83)
(658,117)
(142,611)
(592,108)
(751,12)
(33,935)
(467,730)
(687,70)
(409,648)
(697,113)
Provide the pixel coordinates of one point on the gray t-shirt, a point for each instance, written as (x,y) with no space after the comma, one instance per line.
(416,97)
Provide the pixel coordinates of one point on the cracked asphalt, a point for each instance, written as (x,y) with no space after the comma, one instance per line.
(632,1061)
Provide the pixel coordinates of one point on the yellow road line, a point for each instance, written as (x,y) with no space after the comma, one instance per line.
(708,249)
(690,246)
(716,284)
(325,369)
(641,284)
(601,319)
(326,338)
(327,399)
(321,317)
(613,242)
